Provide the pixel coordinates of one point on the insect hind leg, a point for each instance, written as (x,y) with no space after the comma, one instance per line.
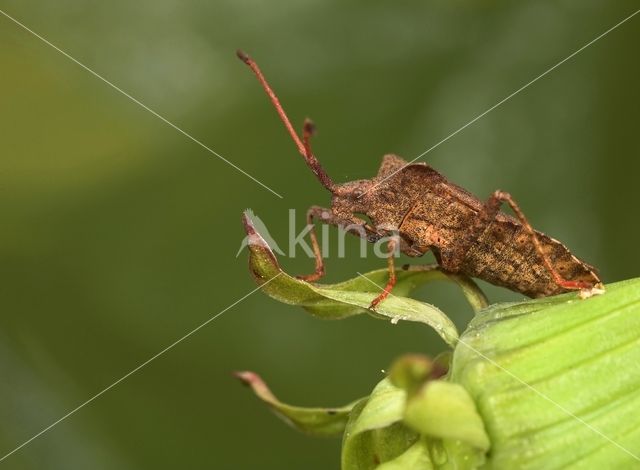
(492,206)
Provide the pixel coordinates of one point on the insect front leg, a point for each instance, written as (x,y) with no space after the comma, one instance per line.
(326,216)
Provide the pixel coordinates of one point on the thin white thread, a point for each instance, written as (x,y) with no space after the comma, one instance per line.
(479,116)
(558,405)
(163,119)
(133,371)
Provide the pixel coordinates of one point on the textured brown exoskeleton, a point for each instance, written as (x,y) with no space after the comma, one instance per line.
(428,212)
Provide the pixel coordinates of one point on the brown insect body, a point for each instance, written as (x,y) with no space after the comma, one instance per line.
(466,235)
(433,214)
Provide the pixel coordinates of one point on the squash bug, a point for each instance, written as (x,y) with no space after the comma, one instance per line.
(429,213)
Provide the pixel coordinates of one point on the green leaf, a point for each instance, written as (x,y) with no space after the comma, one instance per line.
(353,297)
(416,457)
(557,380)
(445,410)
(442,412)
(375,433)
(321,422)
(384,406)
(448,454)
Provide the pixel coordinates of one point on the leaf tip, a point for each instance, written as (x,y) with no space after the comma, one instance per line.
(255,382)
(249,228)
(246,377)
(258,246)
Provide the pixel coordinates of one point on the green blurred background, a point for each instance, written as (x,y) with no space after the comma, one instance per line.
(119,235)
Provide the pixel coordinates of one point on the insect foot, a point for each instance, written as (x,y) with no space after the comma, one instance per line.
(598,289)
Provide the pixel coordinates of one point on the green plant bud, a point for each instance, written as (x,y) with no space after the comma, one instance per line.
(543,384)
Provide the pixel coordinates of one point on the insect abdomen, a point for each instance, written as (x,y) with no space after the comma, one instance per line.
(504,255)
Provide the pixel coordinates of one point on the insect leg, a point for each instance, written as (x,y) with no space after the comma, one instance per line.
(315,212)
(391,247)
(326,216)
(493,206)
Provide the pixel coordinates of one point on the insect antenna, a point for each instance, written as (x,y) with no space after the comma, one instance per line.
(304,146)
